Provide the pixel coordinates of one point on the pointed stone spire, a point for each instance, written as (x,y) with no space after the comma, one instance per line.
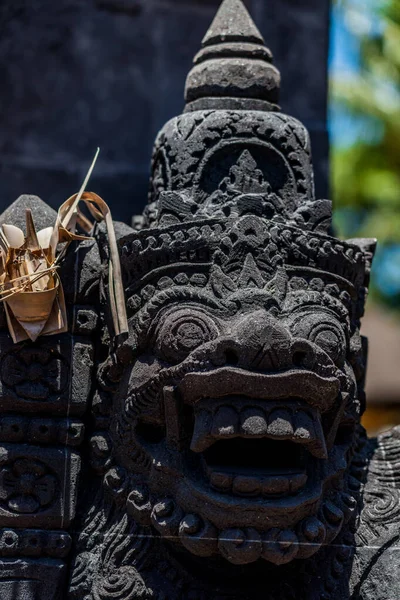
(232,23)
(233,70)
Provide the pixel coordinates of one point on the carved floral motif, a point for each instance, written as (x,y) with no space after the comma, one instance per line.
(26,486)
(33,373)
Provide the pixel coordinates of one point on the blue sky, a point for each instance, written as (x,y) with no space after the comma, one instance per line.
(343,62)
(344,50)
(349,18)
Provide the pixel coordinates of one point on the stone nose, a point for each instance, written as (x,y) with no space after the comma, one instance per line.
(260,342)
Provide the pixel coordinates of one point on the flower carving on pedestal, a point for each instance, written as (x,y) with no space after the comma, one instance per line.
(33,373)
(26,486)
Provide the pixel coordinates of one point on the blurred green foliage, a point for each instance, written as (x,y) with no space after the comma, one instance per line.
(366,172)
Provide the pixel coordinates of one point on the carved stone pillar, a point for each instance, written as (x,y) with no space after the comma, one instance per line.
(44,392)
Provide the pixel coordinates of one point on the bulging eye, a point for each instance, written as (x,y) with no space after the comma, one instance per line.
(182,332)
(331,340)
(323,330)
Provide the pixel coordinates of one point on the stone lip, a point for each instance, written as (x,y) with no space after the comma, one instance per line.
(240,511)
(316,390)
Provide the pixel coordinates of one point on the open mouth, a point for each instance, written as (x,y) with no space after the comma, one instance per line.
(253,448)
(276,467)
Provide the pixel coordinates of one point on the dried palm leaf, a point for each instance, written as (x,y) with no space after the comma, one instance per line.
(30,285)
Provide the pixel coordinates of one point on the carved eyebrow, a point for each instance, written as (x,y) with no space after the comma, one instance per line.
(323,300)
(143,320)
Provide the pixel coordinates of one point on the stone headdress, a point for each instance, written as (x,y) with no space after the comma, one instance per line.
(232,201)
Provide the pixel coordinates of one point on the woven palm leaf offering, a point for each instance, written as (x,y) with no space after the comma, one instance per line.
(30,284)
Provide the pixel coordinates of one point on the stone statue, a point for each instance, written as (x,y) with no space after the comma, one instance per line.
(227,459)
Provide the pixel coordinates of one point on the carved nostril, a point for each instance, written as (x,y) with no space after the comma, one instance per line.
(303,355)
(231,357)
(299,358)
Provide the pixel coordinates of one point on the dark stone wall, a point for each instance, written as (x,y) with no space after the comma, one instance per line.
(77,74)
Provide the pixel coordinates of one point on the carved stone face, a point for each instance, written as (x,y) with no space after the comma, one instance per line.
(239,412)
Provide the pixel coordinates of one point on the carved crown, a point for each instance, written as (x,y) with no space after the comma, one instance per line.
(232,184)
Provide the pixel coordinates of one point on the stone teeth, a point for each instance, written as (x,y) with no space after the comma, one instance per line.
(318,445)
(267,485)
(221,481)
(303,426)
(202,438)
(276,485)
(246,486)
(284,484)
(253,422)
(297,482)
(308,430)
(225,422)
(280,424)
